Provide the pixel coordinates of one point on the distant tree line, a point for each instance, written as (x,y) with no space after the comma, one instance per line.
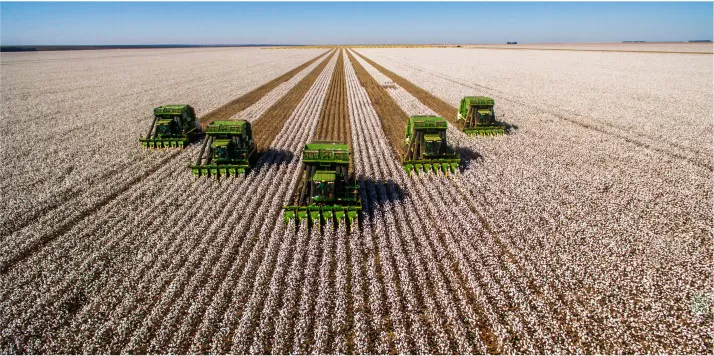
(88,47)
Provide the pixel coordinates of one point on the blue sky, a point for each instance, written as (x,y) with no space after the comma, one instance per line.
(349,23)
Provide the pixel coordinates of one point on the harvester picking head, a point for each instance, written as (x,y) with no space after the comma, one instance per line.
(426,146)
(326,193)
(477,117)
(228,150)
(173,126)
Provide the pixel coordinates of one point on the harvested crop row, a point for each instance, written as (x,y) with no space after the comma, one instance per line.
(21,244)
(391,116)
(439,106)
(334,123)
(268,126)
(244,101)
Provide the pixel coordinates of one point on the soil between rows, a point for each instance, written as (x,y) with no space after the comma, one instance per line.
(241,103)
(269,125)
(334,123)
(392,117)
(439,106)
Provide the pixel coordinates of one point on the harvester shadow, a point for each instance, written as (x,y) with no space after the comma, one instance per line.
(468,156)
(272,157)
(509,128)
(372,197)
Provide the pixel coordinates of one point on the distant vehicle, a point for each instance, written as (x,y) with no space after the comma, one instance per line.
(173,126)
(426,146)
(327,191)
(511,42)
(228,150)
(477,117)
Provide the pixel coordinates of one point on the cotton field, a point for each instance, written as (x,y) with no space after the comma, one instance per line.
(586,229)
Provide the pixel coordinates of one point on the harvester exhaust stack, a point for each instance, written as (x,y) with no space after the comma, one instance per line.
(326,192)
(228,150)
(477,117)
(426,146)
(173,126)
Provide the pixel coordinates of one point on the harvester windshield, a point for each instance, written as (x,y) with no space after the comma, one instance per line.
(166,128)
(433,145)
(222,150)
(484,116)
(323,186)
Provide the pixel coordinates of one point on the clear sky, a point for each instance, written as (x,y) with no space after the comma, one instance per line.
(89,23)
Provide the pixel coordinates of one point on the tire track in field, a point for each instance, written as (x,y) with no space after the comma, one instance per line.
(385,107)
(267,127)
(62,228)
(449,112)
(44,310)
(241,103)
(333,124)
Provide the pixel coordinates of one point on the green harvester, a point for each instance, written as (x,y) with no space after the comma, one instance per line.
(327,192)
(173,126)
(228,150)
(426,146)
(477,117)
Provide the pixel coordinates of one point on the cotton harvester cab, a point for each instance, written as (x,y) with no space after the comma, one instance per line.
(173,126)
(327,192)
(426,146)
(227,150)
(477,117)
